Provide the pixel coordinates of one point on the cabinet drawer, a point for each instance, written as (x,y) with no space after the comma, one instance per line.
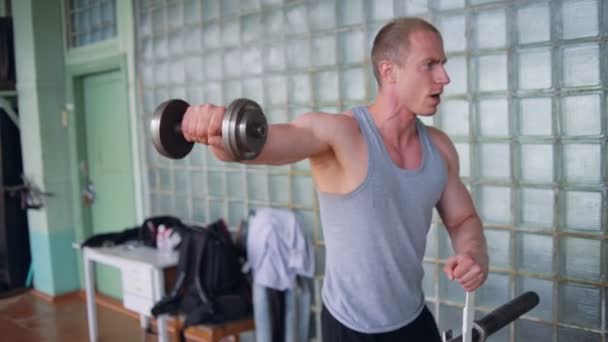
(137,281)
(138,304)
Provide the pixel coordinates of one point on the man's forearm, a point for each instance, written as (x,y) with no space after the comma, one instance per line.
(468,237)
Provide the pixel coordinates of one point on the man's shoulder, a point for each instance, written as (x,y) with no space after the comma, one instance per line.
(443,142)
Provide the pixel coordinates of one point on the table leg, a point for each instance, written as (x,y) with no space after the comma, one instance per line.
(89,278)
(159,291)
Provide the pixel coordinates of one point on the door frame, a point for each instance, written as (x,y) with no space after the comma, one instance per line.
(73,115)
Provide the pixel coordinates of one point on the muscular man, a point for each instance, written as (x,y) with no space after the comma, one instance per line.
(379,172)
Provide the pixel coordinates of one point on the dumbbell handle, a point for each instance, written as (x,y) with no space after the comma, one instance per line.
(253,131)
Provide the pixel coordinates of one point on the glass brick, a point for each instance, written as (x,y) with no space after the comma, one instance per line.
(581,258)
(252,28)
(211,9)
(193,39)
(352,47)
(232,63)
(416,7)
(192,11)
(213,93)
(491,29)
(198,186)
(230,7)
(274,58)
(174,15)
(453,29)
(235,186)
(526,330)
(383,9)
(177,71)
(277,115)
(444,243)
(495,161)
(251,60)
(464,156)
(494,292)
(211,36)
(182,206)
(567,334)
(353,81)
(456,68)
(322,15)
(431,242)
(215,183)
(535,68)
(302,191)
(279,188)
(537,163)
(455,117)
(236,213)
(495,204)
(216,210)
(250,5)
(300,89)
(583,163)
(257,186)
(198,211)
(533,23)
(582,115)
(273,22)
(324,51)
(161,47)
(297,22)
(162,73)
(499,249)
(580,18)
(581,65)
(580,304)
(450,4)
(583,210)
(231,33)
(253,89)
(492,72)
(534,253)
(232,90)
(537,207)
(166,205)
(298,53)
(327,86)
(494,117)
(429,280)
(158,20)
(352,12)
(536,116)
(450,289)
(450,317)
(544,289)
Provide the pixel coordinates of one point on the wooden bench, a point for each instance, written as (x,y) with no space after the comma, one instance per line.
(216,332)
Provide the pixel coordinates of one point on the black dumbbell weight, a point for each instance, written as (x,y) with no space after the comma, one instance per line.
(244,129)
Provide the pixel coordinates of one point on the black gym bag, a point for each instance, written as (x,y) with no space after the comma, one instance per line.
(210,287)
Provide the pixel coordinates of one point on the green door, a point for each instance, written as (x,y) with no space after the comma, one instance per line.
(108,162)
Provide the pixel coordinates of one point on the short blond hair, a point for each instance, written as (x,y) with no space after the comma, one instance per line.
(393,40)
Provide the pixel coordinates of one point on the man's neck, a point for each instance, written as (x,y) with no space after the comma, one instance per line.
(393,119)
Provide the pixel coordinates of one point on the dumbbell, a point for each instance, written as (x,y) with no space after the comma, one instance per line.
(244,129)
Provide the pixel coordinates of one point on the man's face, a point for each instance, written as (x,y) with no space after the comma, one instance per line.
(421,77)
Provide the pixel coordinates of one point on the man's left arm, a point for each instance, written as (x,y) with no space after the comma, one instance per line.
(469,265)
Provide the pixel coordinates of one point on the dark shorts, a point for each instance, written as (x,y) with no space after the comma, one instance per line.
(423,328)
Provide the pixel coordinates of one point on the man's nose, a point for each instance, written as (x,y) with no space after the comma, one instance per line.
(443,76)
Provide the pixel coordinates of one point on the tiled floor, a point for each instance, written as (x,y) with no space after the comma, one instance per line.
(26,318)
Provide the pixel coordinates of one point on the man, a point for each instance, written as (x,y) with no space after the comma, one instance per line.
(379,172)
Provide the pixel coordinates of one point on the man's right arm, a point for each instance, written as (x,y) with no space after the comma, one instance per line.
(308,135)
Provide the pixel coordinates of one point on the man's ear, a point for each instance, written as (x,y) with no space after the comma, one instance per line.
(386,69)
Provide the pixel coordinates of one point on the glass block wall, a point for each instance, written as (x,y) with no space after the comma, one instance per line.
(526,109)
(90,21)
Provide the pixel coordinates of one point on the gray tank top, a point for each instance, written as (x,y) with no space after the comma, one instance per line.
(375,236)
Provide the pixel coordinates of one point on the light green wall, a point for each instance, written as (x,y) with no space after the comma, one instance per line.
(46,76)
(41,91)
